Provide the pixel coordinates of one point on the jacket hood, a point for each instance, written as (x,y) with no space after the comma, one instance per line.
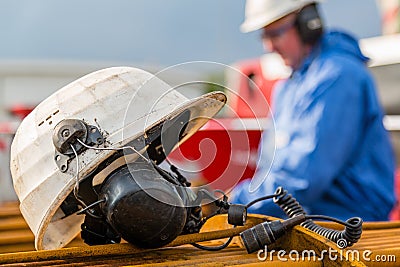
(342,42)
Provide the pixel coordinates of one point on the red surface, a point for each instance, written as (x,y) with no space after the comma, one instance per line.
(21,110)
(254,91)
(395,215)
(3,146)
(220,153)
(5,128)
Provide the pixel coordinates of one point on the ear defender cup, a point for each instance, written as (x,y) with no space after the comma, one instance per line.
(131,210)
(309,24)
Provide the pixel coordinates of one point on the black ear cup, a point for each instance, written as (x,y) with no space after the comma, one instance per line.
(309,24)
(139,218)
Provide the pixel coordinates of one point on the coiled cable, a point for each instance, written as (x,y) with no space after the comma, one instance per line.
(353,226)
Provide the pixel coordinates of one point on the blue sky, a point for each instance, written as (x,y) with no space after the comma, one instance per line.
(154,32)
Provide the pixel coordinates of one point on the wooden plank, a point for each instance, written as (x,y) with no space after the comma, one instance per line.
(16,236)
(9,209)
(12,223)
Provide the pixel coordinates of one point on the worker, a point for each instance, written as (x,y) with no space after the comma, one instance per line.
(332,152)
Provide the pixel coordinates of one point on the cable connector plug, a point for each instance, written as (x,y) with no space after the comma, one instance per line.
(237,214)
(266,233)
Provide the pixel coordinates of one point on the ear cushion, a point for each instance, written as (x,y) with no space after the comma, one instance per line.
(309,24)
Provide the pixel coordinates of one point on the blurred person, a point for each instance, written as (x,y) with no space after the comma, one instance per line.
(332,152)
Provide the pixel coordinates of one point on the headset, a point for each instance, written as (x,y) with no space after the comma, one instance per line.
(309,24)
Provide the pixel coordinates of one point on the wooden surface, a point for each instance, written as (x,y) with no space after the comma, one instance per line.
(16,247)
(15,235)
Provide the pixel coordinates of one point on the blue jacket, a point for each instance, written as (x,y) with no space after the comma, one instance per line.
(332,152)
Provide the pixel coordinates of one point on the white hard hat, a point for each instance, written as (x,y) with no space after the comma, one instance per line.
(100,99)
(260,13)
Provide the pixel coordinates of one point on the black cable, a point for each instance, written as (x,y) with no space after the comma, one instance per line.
(221,192)
(85,210)
(328,218)
(216,248)
(353,226)
(260,199)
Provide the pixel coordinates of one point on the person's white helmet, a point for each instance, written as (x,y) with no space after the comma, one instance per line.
(43,177)
(260,13)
